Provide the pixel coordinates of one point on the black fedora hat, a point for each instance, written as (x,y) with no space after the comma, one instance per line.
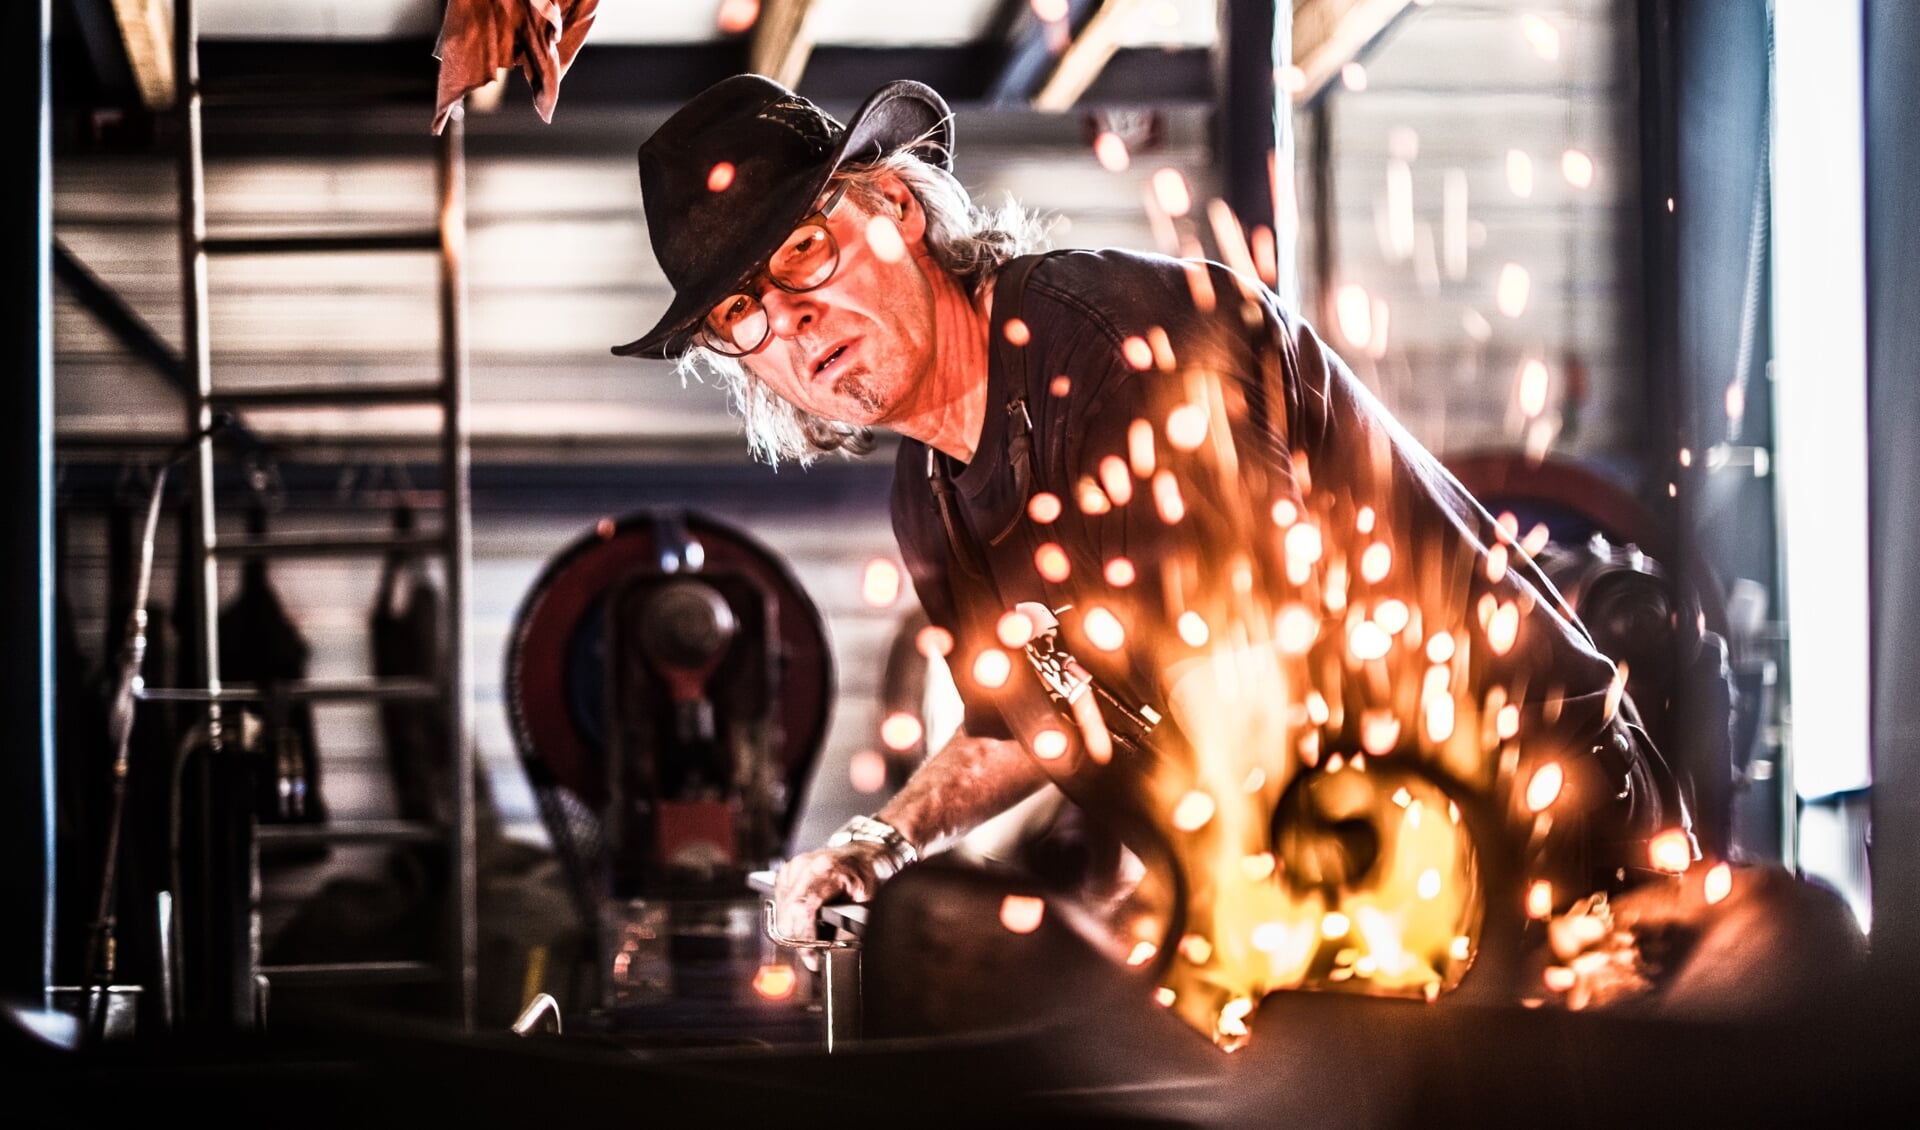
(710,229)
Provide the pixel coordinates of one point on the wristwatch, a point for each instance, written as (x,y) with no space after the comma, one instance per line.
(867,830)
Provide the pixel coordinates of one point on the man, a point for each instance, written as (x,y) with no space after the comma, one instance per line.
(1193,572)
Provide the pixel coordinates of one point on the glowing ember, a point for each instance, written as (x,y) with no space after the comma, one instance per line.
(1285,513)
(1428,885)
(1166,497)
(604,528)
(1440,647)
(1137,353)
(1317,709)
(1119,572)
(1439,718)
(880,584)
(1021,914)
(1060,386)
(900,731)
(1051,562)
(1536,539)
(1044,507)
(991,668)
(1496,563)
(1461,948)
(1187,427)
(1049,744)
(1014,629)
(1017,332)
(720,176)
(1103,629)
(1503,627)
(1544,787)
(1090,498)
(1193,811)
(1303,543)
(1163,997)
(933,642)
(1353,311)
(1718,883)
(1510,295)
(1392,616)
(736,16)
(1295,629)
(1507,722)
(1257,867)
(1116,480)
(867,771)
(1193,629)
(1670,851)
(1558,978)
(1540,899)
(1334,924)
(1196,948)
(1170,189)
(1111,151)
(1140,448)
(1364,520)
(1379,733)
(775,982)
(1142,953)
(1367,642)
(1577,167)
(1375,563)
(1533,388)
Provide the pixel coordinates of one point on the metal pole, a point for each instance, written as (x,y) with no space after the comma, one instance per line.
(26,605)
(1256,135)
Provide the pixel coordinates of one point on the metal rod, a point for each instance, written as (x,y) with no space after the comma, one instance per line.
(323,243)
(273,836)
(304,690)
(327,545)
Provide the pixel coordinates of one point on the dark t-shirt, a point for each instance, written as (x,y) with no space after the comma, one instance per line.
(1191,430)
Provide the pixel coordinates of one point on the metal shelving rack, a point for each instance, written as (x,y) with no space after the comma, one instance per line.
(453,542)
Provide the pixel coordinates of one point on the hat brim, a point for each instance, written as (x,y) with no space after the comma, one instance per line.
(903,114)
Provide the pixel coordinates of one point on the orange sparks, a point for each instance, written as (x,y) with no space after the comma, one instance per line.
(720,177)
(1670,851)
(1507,722)
(1718,883)
(1615,690)
(1060,386)
(1334,924)
(991,668)
(1428,885)
(1303,543)
(1577,167)
(1257,866)
(775,982)
(1392,616)
(1140,448)
(1193,811)
(1115,478)
(1044,507)
(901,731)
(1317,708)
(1544,787)
(1544,37)
(604,528)
(1021,914)
(1166,497)
(1119,572)
(1285,513)
(1510,294)
(1164,997)
(1170,189)
(1142,953)
(1379,734)
(933,642)
(880,584)
(1111,151)
(1366,642)
(888,246)
(1295,629)
(1353,311)
(1103,629)
(1540,899)
(1193,629)
(1509,524)
(1051,563)
(1364,520)
(1196,948)
(1503,627)
(1017,332)
(1736,401)
(1052,11)
(1376,562)
(867,771)
(1536,539)
(1186,427)
(1049,744)
(1439,717)
(1014,629)
(1533,388)
(1497,563)
(1090,498)
(736,16)
(1137,353)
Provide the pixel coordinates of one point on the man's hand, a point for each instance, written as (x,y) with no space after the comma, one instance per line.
(805,883)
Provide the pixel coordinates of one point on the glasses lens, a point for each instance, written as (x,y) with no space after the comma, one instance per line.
(806,260)
(736,326)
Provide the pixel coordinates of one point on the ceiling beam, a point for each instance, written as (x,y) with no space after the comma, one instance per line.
(1032,45)
(1329,34)
(1086,56)
(146,28)
(782,41)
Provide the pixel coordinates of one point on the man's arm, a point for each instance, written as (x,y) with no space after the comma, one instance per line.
(969,780)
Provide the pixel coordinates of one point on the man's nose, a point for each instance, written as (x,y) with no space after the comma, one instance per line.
(787,313)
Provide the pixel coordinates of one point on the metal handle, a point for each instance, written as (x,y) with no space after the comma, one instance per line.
(540,1007)
(780,939)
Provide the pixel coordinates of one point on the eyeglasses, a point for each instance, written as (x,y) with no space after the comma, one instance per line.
(738,324)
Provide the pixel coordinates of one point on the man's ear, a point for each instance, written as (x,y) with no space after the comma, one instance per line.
(903,208)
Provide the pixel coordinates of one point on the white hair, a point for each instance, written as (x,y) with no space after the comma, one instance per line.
(968,241)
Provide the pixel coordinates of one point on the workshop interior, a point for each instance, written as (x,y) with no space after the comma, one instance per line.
(412,700)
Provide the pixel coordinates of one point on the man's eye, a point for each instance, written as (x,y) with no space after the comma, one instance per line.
(734,309)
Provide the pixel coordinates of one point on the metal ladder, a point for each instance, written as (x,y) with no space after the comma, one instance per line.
(458,968)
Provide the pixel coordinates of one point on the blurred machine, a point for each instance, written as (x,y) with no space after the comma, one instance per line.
(668,685)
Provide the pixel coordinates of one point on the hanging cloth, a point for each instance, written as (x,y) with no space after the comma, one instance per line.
(480,38)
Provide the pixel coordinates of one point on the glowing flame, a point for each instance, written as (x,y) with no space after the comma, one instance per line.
(880,583)
(1051,562)
(1257,867)
(1670,851)
(867,771)
(1021,914)
(1440,647)
(1540,899)
(1507,722)
(1049,744)
(1196,948)
(1060,386)
(900,731)
(1044,507)
(1718,883)
(1392,616)
(991,668)
(1544,787)
(1103,629)
(1334,924)
(775,982)
(1142,953)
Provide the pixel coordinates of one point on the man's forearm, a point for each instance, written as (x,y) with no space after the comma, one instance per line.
(968,781)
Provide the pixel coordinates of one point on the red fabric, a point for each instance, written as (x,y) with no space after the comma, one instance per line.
(479,37)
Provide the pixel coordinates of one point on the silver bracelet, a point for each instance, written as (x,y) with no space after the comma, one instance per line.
(867,830)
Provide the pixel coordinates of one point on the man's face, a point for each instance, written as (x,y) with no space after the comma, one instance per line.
(854,348)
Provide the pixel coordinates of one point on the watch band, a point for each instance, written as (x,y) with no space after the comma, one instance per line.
(867,830)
